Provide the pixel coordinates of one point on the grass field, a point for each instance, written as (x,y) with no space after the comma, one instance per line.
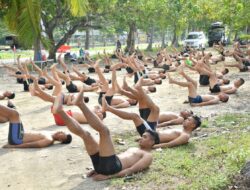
(208,162)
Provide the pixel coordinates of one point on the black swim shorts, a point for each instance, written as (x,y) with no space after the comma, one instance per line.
(106,165)
(215,89)
(204,80)
(72,88)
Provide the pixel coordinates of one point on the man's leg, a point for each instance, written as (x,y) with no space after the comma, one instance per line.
(122,114)
(106,147)
(91,145)
(192,90)
(9,114)
(146,100)
(55,82)
(65,77)
(37,69)
(61,62)
(101,76)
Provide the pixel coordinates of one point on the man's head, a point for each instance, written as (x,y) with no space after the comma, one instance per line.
(98,111)
(158,81)
(9,95)
(151,89)
(162,75)
(223,97)
(186,113)
(225,71)
(62,137)
(149,138)
(226,81)
(239,82)
(192,122)
(132,102)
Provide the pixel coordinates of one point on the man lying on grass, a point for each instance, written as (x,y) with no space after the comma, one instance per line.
(165,138)
(106,162)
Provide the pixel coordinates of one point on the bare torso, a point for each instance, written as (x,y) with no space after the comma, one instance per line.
(131,156)
(169,134)
(206,98)
(36,136)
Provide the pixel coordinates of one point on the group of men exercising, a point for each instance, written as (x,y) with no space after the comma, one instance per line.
(147,121)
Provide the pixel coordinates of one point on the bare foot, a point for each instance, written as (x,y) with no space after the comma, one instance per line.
(125,84)
(79,99)
(53,67)
(57,106)
(96,65)
(105,105)
(45,71)
(32,90)
(180,70)
(139,83)
(170,80)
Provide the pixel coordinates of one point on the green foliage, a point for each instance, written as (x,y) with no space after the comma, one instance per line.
(245,37)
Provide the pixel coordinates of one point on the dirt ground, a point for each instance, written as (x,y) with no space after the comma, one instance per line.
(64,166)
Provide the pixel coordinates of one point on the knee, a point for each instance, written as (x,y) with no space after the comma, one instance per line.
(105,131)
(135,116)
(14,114)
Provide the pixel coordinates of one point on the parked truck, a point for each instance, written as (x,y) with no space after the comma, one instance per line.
(216,34)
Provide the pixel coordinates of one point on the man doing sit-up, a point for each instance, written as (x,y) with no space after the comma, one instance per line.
(193,97)
(106,162)
(18,138)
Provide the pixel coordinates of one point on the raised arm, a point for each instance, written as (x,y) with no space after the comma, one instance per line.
(177,121)
(37,144)
(182,139)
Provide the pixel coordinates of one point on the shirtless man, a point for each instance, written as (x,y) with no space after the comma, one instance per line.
(164,138)
(106,162)
(18,138)
(193,97)
(171,118)
(243,64)
(216,87)
(110,91)
(68,100)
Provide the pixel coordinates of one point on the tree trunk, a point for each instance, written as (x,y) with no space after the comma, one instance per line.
(163,44)
(175,39)
(87,39)
(37,50)
(149,48)
(52,53)
(131,39)
(229,35)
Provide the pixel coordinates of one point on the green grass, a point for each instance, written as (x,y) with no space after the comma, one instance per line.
(205,163)
(10,54)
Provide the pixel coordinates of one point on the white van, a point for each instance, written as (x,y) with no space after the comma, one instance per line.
(195,40)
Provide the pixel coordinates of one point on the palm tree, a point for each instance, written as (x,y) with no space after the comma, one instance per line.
(23,17)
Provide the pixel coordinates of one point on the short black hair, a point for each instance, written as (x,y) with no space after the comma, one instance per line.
(86,99)
(160,82)
(197,121)
(227,81)
(242,80)
(154,136)
(133,104)
(11,96)
(68,139)
(50,87)
(226,70)
(104,115)
(153,89)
